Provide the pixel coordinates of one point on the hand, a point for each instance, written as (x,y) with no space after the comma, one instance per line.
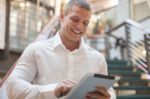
(99,93)
(63,88)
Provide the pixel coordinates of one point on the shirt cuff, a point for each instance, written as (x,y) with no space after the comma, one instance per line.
(112,93)
(47,91)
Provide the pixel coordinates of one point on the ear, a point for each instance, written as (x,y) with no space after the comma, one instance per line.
(61,16)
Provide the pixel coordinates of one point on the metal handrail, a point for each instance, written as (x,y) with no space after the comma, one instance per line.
(132,43)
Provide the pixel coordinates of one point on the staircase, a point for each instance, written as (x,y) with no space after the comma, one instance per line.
(132,84)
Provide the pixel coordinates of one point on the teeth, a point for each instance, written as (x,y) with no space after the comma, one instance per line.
(77,32)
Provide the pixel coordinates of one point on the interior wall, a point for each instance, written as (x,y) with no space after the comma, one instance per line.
(2,23)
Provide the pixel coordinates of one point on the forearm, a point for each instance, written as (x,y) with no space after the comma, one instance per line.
(20,89)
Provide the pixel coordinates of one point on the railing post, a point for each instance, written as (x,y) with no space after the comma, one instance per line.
(107,46)
(122,53)
(128,38)
(5,53)
(147,48)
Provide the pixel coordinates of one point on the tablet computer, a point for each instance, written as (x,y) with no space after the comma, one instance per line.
(88,83)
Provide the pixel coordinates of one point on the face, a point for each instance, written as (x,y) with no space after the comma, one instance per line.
(74,24)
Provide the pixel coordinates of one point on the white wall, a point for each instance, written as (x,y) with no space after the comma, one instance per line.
(123,11)
(2,23)
(146,23)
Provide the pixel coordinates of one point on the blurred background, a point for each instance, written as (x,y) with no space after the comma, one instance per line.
(120,29)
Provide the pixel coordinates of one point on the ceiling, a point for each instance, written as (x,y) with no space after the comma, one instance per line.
(102,5)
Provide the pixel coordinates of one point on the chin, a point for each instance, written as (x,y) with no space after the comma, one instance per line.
(76,40)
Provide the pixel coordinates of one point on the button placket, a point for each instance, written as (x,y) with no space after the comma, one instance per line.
(70,66)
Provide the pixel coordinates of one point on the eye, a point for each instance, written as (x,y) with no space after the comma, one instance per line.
(86,23)
(74,19)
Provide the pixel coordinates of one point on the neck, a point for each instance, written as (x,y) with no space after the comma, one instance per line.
(70,45)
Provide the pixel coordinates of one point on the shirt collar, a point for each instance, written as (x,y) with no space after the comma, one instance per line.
(58,42)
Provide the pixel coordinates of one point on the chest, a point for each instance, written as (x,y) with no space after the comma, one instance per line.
(54,67)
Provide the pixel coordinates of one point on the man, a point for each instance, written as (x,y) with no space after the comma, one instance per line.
(49,69)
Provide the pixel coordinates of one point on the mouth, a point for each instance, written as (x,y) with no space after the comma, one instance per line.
(76,32)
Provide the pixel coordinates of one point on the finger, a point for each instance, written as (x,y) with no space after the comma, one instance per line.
(62,91)
(102,91)
(69,82)
(68,85)
(66,88)
(93,94)
(73,82)
(87,97)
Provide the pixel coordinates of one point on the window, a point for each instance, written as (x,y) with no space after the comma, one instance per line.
(27,18)
(140,9)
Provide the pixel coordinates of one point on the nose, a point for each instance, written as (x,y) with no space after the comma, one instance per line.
(79,27)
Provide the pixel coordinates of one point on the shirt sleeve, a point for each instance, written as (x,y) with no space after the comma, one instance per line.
(103,65)
(19,86)
(104,70)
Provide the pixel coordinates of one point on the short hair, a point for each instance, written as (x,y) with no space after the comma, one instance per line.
(80,3)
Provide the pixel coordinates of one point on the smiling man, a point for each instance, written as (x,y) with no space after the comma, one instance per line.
(74,22)
(49,69)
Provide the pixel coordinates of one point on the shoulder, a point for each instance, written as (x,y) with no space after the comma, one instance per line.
(38,45)
(42,43)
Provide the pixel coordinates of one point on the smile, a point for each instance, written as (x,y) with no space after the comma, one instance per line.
(75,31)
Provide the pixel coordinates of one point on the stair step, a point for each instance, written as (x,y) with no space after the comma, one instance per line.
(116,71)
(121,67)
(115,65)
(116,61)
(133,80)
(134,97)
(127,75)
(130,75)
(124,73)
(132,88)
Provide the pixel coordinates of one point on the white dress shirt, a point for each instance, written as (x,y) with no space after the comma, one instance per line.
(45,63)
